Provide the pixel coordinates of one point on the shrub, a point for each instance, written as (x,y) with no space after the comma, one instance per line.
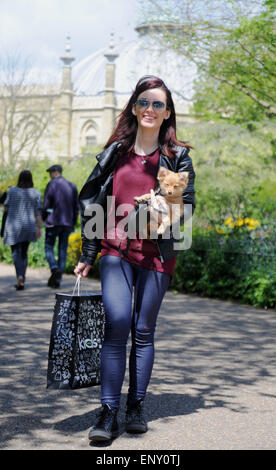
(73,255)
(73,251)
(234,266)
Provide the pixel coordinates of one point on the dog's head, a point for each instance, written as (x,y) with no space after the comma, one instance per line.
(172,184)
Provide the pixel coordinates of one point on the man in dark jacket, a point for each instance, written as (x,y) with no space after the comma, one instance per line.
(60,212)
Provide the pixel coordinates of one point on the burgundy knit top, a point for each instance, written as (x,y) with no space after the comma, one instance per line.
(133,175)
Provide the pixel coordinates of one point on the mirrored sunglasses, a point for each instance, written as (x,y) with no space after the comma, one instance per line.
(156,105)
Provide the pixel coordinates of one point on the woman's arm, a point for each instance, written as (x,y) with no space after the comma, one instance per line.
(90,247)
(185,164)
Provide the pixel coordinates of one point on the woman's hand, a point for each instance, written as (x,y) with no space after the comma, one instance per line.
(82,269)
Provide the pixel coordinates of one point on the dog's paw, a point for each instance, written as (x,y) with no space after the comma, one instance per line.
(140,199)
(161,229)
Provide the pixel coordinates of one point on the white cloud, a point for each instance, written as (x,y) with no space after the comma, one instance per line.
(39,27)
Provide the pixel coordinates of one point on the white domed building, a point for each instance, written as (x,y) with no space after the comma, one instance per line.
(81,110)
(104,81)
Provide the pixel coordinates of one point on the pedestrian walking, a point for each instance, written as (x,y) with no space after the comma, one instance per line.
(23,222)
(4,216)
(143,140)
(60,213)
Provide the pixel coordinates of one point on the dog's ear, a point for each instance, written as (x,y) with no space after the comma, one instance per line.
(162,173)
(184,176)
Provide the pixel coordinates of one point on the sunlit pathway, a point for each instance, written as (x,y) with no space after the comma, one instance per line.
(213,383)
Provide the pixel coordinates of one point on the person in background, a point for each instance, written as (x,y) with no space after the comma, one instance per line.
(23,222)
(4,217)
(60,213)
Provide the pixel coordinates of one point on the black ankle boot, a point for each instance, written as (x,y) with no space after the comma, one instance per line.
(106,426)
(135,420)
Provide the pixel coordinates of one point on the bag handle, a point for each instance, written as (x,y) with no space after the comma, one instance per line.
(78,286)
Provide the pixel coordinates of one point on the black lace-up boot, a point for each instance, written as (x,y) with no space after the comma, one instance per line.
(135,420)
(106,426)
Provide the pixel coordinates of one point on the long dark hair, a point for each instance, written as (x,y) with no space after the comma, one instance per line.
(25,179)
(126,129)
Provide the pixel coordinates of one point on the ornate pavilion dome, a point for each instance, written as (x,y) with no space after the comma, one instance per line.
(135,59)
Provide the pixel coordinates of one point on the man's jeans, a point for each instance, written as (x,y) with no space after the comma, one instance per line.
(62,232)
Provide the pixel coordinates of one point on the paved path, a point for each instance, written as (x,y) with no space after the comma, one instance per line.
(213,384)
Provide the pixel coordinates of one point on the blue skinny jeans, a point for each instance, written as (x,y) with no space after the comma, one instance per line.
(118,278)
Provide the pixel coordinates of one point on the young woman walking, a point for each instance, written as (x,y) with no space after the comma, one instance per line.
(23,222)
(144,139)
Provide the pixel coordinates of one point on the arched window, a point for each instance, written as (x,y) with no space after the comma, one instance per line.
(89,134)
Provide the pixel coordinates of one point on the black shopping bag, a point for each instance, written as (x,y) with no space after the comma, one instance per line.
(76,341)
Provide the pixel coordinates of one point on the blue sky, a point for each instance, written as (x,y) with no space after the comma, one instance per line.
(38,28)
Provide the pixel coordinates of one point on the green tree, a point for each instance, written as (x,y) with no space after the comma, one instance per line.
(238,82)
(232,44)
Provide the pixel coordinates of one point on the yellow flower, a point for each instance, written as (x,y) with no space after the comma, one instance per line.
(251,224)
(74,249)
(74,238)
(229,221)
(239,222)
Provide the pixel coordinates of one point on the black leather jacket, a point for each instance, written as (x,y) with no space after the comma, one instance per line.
(99,185)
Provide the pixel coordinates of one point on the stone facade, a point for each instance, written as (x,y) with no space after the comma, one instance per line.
(64,121)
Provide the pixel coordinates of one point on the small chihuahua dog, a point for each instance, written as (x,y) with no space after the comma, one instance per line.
(167,206)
